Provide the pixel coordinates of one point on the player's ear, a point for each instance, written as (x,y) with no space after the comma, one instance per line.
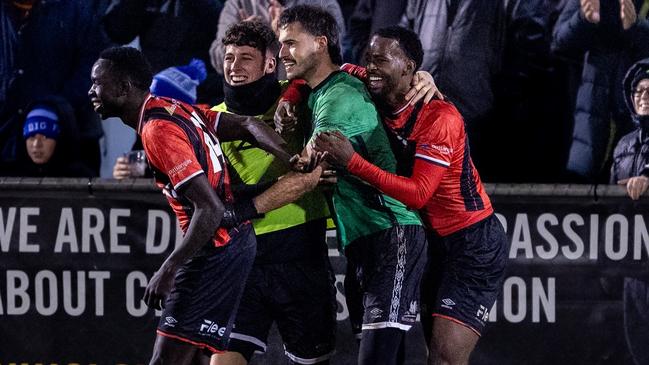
(410,67)
(321,43)
(270,64)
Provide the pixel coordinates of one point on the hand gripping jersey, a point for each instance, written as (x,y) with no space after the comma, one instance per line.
(180,143)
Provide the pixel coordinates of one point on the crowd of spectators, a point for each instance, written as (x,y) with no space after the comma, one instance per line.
(538,82)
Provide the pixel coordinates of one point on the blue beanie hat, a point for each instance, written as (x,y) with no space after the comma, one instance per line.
(42,120)
(180,82)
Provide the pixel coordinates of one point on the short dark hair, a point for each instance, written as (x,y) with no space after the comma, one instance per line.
(408,41)
(254,34)
(129,63)
(318,22)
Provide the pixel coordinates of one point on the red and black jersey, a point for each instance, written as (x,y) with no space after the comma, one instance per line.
(180,143)
(435,133)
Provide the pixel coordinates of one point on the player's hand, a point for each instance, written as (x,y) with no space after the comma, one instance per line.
(284,118)
(328,178)
(307,163)
(159,288)
(635,186)
(423,87)
(122,168)
(590,10)
(338,147)
(628,14)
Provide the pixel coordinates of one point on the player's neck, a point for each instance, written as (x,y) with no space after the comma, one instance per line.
(131,114)
(396,100)
(321,72)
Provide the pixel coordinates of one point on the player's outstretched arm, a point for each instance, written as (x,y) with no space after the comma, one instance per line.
(414,191)
(234,127)
(208,212)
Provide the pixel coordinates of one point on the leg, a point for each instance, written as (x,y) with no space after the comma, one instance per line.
(169,351)
(452,343)
(381,346)
(228,358)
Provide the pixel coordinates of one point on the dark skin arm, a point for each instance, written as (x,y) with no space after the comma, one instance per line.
(208,212)
(234,127)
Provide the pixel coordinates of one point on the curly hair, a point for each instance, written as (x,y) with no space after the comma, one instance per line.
(129,63)
(408,42)
(254,34)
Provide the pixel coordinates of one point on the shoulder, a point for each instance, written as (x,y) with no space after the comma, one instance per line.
(627,142)
(443,113)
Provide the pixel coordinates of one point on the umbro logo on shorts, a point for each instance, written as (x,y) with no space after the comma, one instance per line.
(448,303)
(376,312)
(170,321)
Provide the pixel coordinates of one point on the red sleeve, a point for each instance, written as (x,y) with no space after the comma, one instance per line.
(168,150)
(358,72)
(296,91)
(413,191)
(212,116)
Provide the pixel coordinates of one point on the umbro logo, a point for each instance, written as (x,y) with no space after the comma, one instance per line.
(447,303)
(170,321)
(376,312)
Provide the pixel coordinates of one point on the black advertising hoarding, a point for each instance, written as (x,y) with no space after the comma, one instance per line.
(74,261)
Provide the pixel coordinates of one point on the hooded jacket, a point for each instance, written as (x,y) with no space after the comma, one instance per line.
(631,155)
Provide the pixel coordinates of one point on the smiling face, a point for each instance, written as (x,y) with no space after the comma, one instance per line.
(298,52)
(244,64)
(104,93)
(40,148)
(389,70)
(641,97)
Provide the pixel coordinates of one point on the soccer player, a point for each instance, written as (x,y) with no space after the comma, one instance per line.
(382,240)
(291,281)
(200,283)
(467,244)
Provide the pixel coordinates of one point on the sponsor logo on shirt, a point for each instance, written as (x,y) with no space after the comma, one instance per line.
(442,149)
(178,168)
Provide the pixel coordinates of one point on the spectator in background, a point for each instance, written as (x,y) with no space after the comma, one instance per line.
(611,35)
(267,11)
(180,83)
(631,168)
(171,32)
(368,17)
(463,43)
(46,50)
(52,143)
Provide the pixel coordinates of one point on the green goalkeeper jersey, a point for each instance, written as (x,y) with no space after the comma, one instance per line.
(342,103)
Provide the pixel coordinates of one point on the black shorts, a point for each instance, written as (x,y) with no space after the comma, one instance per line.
(465,273)
(201,307)
(298,295)
(387,267)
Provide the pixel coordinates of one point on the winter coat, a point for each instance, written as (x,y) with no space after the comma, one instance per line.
(171,32)
(608,53)
(56,49)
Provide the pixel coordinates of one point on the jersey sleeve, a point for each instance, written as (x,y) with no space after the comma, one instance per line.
(436,144)
(413,191)
(213,116)
(358,72)
(168,150)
